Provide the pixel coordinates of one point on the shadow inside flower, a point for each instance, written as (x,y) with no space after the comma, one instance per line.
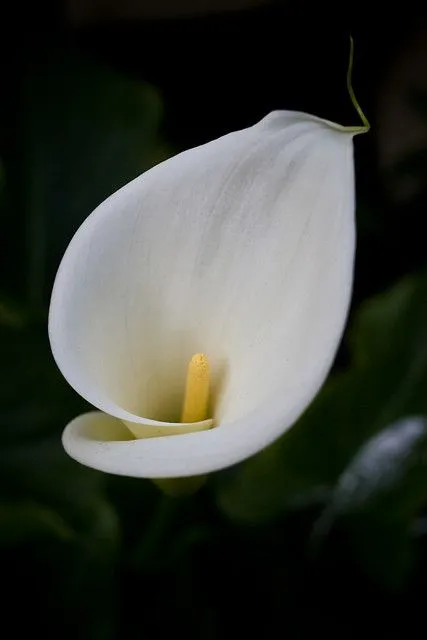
(104,428)
(219,383)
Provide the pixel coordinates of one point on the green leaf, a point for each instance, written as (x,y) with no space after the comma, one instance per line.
(83,131)
(376,499)
(39,470)
(387,379)
(58,533)
(387,469)
(57,529)
(67,544)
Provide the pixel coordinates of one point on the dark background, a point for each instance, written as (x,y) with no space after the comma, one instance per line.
(327,525)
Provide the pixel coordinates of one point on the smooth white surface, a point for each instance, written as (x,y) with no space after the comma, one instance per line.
(243,249)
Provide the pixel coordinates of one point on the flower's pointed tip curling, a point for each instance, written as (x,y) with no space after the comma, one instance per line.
(366,124)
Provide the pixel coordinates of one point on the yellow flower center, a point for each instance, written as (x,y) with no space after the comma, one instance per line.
(196,399)
(195,408)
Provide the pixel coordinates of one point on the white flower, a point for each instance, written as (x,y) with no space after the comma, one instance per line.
(242,249)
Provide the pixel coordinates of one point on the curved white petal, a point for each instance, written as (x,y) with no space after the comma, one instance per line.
(243,249)
(102,442)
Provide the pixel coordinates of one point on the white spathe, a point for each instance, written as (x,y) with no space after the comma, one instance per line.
(243,249)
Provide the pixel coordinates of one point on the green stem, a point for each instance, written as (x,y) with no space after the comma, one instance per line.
(179,487)
(366,125)
(147,552)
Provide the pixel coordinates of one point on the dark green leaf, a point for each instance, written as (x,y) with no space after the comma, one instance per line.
(383,471)
(377,497)
(65,547)
(85,131)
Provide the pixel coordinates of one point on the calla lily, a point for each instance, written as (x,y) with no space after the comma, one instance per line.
(241,249)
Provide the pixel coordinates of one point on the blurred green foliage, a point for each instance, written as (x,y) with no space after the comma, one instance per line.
(82,131)
(335,507)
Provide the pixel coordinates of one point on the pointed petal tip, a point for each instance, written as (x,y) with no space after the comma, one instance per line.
(278,118)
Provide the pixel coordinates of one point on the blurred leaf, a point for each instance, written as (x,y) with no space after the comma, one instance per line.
(85,130)
(377,497)
(383,470)
(34,397)
(92,575)
(82,132)
(102,533)
(35,405)
(387,380)
(58,534)
(73,579)
(41,471)
(21,522)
